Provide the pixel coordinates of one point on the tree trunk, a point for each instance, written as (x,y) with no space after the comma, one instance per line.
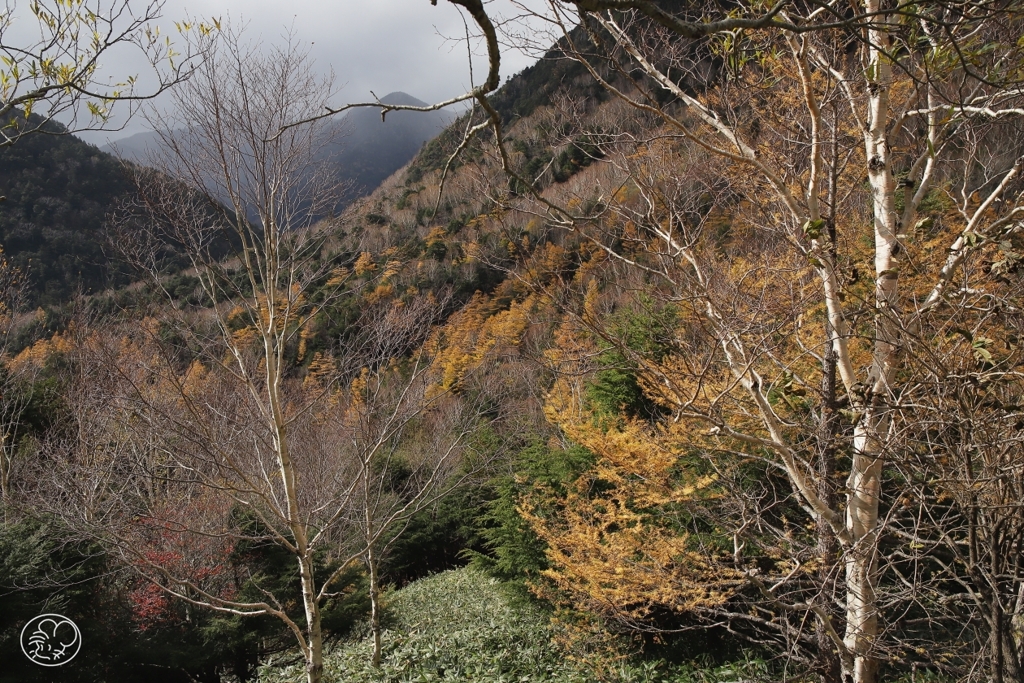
(1012,672)
(1015,630)
(996,639)
(862,503)
(315,643)
(314,647)
(371,563)
(864,483)
(1005,657)
(828,662)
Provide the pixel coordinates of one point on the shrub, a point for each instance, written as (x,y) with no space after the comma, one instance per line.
(454,626)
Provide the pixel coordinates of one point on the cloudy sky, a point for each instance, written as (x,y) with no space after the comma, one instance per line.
(378,45)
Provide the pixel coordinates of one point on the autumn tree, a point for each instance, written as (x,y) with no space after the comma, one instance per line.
(406,439)
(206,436)
(864,158)
(227,188)
(801,218)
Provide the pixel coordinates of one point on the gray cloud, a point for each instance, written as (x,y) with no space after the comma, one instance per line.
(378,45)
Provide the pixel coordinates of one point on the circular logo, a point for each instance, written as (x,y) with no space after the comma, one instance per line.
(51,640)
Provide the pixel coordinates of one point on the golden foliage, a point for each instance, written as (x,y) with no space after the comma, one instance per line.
(338,276)
(436,234)
(320,373)
(391,268)
(380,293)
(460,346)
(40,352)
(612,544)
(194,380)
(245,337)
(364,264)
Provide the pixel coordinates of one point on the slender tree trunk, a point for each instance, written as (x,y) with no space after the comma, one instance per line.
(315,643)
(861,557)
(996,639)
(864,483)
(1012,672)
(375,627)
(313,649)
(1015,629)
(829,665)
(998,619)
(1005,658)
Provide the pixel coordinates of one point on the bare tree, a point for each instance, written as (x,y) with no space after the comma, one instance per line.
(957,519)
(409,440)
(198,428)
(230,191)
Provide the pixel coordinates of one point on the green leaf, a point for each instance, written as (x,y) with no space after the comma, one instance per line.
(812,229)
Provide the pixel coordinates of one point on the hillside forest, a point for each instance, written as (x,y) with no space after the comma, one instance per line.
(690,353)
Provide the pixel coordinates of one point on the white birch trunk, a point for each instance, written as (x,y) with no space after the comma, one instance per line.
(864,482)
(375,625)
(313,647)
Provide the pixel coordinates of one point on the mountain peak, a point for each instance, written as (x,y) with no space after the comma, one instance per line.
(402,99)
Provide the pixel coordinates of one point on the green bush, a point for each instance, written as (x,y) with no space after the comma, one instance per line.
(454,626)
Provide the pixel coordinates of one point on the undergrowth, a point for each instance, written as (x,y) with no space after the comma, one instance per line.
(462,625)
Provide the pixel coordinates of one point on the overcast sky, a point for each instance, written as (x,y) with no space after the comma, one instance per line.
(379,45)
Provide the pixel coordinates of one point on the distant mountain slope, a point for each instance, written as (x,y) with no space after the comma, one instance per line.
(369,150)
(58,190)
(136,147)
(364,149)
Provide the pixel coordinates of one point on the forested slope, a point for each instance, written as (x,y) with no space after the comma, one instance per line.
(669,294)
(58,191)
(642,357)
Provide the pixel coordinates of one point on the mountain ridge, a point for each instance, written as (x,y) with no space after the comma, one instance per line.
(364,149)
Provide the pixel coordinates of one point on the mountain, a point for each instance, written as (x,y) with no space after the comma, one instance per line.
(58,191)
(364,149)
(367,150)
(136,147)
